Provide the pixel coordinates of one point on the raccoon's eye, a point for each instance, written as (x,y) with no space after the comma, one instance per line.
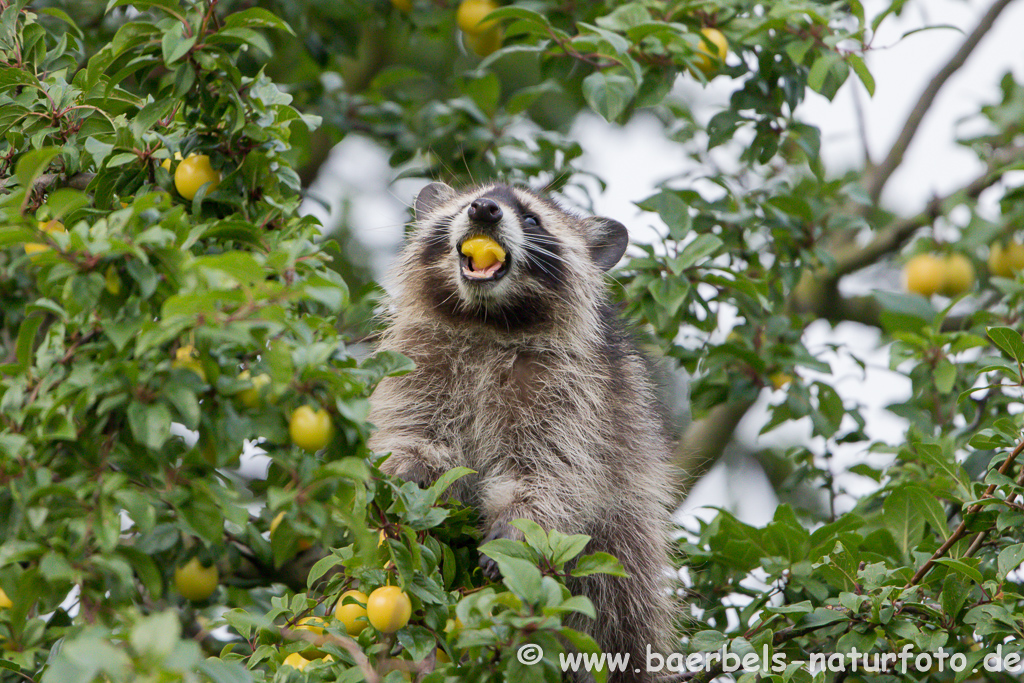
(531,220)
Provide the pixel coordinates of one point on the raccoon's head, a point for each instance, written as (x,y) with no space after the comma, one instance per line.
(507,257)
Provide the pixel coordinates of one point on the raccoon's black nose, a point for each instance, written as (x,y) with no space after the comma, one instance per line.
(484,210)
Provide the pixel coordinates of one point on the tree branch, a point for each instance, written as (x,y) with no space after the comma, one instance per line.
(79,181)
(961,530)
(881,174)
(891,238)
(705,440)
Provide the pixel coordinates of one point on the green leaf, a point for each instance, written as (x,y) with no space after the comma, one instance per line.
(822,65)
(1009,559)
(599,563)
(954,593)
(903,519)
(861,69)
(33,164)
(185,402)
(945,376)
(961,567)
(701,248)
(24,345)
(930,507)
(150,423)
(221,671)
(256,17)
(609,93)
(447,479)
(157,634)
(1009,340)
(522,577)
(707,641)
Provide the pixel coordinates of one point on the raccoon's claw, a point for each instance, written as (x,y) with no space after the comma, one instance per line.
(498,530)
(490,568)
(417,474)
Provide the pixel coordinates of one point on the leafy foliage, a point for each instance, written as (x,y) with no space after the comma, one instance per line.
(145,338)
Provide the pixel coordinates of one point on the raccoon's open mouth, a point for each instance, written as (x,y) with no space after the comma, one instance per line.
(483,259)
(493,272)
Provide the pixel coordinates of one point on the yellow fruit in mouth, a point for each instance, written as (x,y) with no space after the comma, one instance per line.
(388,608)
(351,614)
(484,251)
(5,601)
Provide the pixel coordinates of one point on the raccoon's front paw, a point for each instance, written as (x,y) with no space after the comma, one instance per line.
(415,472)
(498,530)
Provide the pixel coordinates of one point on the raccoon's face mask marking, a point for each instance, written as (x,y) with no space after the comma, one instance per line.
(508,256)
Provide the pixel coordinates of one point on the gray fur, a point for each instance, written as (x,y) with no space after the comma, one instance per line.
(551,405)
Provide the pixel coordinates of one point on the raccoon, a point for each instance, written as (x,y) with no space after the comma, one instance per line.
(525,375)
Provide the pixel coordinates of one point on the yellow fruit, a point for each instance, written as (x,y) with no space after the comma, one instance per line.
(277,522)
(5,601)
(402,5)
(471,13)
(443,657)
(958,277)
(780,379)
(111,280)
(1006,261)
(705,60)
(483,44)
(484,251)
(924,274)
(193,173)
(250,397)
(187,358)
(166,163)
(351,614)
(311,624)
(296,661)
(388,608)
(310,429)
(32,248)
(196,582)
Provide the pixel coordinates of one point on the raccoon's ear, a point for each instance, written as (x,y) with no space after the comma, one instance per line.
(608,242)
(432,196)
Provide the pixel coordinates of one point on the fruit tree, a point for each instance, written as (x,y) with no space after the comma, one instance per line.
(185,488)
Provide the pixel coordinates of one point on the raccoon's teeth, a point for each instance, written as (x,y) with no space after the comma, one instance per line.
(470,269)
